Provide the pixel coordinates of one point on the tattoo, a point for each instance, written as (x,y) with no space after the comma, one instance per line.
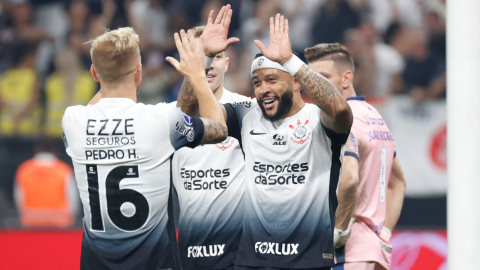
(187,100)
(214,131)
(335,111)
(320,90)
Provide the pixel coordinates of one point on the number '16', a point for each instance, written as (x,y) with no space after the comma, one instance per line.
(115,198)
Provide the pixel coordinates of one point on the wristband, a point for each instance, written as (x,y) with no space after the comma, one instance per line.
(293,65)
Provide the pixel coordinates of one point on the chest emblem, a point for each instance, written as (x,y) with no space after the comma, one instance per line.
(300,132)
(225,144)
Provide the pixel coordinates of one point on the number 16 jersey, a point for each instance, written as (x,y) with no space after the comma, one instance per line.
(121,155)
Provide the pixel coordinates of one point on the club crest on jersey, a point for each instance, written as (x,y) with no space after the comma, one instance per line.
(188,119)
(300,132)
(227,143)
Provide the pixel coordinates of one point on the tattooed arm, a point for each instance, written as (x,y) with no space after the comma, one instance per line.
(335,111)
(187,100)
(214,132)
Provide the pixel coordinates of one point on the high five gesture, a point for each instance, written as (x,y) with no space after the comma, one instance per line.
(216,32)
(280,49)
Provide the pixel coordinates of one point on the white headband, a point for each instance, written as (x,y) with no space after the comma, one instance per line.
(264,62)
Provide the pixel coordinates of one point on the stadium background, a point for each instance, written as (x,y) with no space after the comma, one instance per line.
(399,50)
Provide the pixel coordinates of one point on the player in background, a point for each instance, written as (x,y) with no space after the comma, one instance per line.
(372,185)
(293,154)
(121,153)
(209,179)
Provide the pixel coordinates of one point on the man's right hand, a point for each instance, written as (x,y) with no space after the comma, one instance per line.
(192,59)
(215,33)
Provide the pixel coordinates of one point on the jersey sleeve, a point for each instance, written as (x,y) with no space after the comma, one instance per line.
(235,113)
(336,138)
(351,148)
(185,130)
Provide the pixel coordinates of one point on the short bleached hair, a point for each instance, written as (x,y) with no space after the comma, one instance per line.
(115,54)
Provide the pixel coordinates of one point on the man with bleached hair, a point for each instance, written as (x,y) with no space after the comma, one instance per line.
(121,152)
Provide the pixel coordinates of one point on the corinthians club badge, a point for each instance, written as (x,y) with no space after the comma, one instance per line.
(300,132)
(225,144)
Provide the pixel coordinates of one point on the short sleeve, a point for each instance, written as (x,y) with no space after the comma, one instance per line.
(351,148)
(336,138)
(185,130)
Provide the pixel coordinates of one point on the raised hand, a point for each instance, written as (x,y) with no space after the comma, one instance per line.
(192,58)
(280,49)
(215,33)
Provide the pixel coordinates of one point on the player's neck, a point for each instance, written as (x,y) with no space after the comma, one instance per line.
(218,93)
(124,90)
(349,92)
(298,104)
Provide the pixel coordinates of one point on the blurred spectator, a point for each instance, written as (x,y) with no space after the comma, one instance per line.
(86,25)
(334,17)
(151,19)
(71,85)
(300,14)
(390,60)
(424,76)
(19,94)
(45,190)
(360,43)
(20,26)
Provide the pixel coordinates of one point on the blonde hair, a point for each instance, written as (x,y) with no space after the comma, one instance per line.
(114,54)
(198,30)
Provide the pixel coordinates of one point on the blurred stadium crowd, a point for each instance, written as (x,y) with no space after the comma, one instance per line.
(399,48)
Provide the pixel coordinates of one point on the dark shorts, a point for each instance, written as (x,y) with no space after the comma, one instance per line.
(238,267)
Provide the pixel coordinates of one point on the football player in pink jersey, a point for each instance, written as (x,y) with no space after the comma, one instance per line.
(372,185)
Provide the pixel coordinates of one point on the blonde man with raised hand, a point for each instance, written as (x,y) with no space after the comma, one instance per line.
(209,179)
(121,152)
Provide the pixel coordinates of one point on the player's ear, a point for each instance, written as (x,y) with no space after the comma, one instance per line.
(94,73)
(347,79)
(138,73)
(296,86)
(227,60)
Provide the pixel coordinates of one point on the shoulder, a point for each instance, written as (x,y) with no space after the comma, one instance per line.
(230,97)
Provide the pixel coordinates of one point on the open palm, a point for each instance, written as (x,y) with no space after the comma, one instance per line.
(216,33)
(279,49)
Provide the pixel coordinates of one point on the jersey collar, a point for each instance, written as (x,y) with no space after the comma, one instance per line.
(115,101)
(360,98)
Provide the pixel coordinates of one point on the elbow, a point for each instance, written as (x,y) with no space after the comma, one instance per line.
(222,135)
(349,185)
(344,117)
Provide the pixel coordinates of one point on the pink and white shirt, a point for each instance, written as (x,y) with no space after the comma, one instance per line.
(372,144)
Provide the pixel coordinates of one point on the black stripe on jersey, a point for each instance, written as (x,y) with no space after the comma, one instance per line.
(233,125)
(172,235)
(337,141)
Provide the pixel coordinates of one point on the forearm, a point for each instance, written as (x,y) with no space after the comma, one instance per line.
(187,100)
(208,106)
(347,199)
(337,113)
(395,195)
